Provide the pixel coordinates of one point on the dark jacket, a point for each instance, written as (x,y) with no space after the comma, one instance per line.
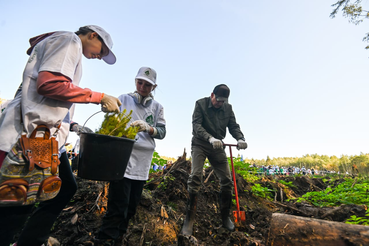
(208,121)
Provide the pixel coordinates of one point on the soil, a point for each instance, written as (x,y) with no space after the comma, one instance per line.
(161,212)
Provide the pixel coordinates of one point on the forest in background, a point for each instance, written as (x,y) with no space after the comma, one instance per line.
(341,164)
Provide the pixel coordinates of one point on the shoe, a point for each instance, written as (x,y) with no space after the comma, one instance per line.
(104,242)
(187,228)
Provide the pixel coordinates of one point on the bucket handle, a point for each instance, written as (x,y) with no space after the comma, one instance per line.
(90,117)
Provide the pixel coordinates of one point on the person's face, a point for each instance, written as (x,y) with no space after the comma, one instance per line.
(143,87)
(94,48)
(216,104)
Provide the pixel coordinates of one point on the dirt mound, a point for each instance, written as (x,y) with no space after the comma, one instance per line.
(162,209)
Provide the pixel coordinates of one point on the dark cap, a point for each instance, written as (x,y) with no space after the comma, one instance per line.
(221,92)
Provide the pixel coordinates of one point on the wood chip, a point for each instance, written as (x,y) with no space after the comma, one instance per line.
(74,219)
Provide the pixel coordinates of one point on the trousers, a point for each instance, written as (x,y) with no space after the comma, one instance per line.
(200,150)
(123,199)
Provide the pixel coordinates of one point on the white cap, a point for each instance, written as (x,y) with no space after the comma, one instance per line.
(147,74)
(110,58)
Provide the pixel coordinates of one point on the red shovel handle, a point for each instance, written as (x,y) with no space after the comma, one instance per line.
(234,178)
(231,145)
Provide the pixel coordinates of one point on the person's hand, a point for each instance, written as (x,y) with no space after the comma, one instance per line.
(78,129)
(143,126)
(241,144)
(217,144)
(110,104)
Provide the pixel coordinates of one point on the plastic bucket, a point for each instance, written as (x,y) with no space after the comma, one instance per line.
(102,157)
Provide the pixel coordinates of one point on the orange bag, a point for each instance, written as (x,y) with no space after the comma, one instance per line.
(29,172)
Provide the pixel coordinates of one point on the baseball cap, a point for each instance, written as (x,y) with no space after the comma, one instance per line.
(221,92)
(110,58)
(147,74)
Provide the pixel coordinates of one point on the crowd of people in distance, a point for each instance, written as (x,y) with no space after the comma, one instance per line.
(288,171)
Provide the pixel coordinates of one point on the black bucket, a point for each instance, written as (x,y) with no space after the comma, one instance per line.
(102,157)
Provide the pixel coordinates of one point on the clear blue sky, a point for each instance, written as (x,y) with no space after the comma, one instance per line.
(298,79)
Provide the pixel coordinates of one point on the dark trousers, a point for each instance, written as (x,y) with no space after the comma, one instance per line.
(123,199)
(218,160)
(37,229)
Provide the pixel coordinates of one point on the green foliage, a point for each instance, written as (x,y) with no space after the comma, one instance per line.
(320,163)
(359,220)
(116,125)
(164,184)
(347,192)
(156,159)
(243,169)
(352,10)
(172,205)
(263,192)
(289,184)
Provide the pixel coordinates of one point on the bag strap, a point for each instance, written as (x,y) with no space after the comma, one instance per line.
(55,156)
(27,151)
(47,132)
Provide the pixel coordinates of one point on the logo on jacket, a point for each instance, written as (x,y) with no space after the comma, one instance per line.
(150,120)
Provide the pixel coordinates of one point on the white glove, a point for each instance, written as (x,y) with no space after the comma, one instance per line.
(241,144)
(110,104)
(78,129)
(217,144)
(143,126)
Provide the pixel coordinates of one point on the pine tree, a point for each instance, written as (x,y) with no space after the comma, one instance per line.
(116,125)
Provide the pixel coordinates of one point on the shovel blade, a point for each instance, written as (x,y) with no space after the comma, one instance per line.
(239,216)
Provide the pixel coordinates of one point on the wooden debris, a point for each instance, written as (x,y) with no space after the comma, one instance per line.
(74,219)
(206,180)
(300,231)
(163,213)
(143,235)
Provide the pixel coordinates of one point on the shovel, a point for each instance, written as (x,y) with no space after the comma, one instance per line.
(239,216)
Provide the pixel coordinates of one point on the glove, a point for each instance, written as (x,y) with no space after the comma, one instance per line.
(110,104)
(143,126)
(78,129)
(217,144)
(241,144)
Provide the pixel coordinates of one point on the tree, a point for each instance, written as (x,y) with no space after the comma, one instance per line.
(344,162)
(360,162)
(352,10)
(268,160)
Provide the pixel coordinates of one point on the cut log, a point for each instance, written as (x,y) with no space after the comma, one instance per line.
(301,231)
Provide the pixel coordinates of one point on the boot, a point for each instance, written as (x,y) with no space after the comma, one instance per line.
(190,215)
(225,209)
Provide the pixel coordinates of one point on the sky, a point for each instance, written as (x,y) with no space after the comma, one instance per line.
(298,78)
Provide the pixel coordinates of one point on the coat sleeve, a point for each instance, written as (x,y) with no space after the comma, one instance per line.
(60,87)
(160,125)
(197,120)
